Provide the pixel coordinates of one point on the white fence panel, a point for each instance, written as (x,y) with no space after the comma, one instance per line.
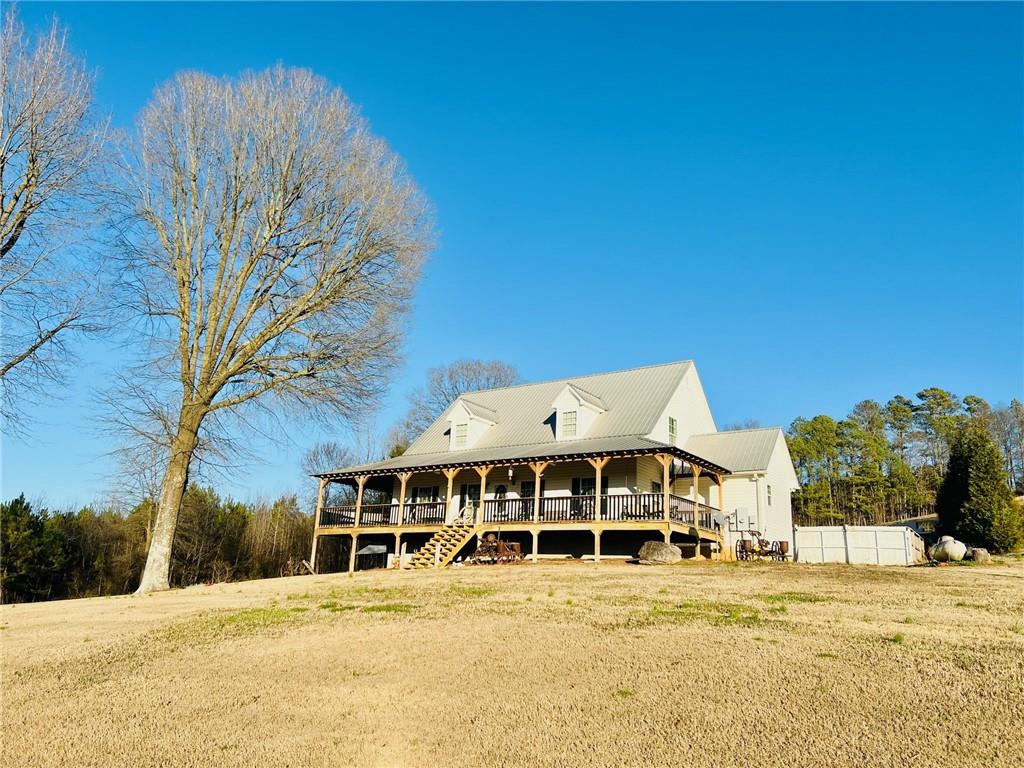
(858,544)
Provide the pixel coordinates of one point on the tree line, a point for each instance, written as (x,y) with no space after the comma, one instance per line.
(90,552)
(891,461)
(49,554)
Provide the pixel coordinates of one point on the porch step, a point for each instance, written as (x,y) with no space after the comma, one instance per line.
(446,543)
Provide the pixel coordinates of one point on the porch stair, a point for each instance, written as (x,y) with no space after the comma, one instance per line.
(446,543)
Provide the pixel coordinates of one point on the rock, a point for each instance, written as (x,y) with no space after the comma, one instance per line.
(979,555)
(948,550)
(659,552)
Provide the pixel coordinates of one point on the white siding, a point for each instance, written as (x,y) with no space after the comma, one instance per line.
(689,406)
(782,478)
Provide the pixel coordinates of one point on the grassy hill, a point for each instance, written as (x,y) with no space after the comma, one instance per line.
(548,665)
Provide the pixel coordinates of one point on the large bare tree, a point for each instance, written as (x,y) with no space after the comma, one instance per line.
(444,385)
(276,245)
(51,142)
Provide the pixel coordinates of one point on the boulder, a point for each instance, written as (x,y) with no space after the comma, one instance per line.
(979,555)
(659,552)
(948,550)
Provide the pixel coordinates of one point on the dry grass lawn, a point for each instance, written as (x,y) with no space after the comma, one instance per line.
(548,665)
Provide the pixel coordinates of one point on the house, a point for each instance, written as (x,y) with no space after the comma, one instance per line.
(590,466)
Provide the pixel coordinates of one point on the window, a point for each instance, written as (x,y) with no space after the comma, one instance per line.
(584,486)
(569,424)
(673,430)
(461,433)
(424,493)
(655,487)
(769,495)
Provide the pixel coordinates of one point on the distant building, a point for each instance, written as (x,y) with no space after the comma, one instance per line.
(589,466)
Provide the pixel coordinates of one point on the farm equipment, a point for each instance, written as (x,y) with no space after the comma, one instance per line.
(494,551)
(757,547)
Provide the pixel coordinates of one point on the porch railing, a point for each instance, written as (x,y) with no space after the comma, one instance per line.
(425,512)
(566,508)
(378,514)
(553,509)
(344,515)
(632,506)
(508,510)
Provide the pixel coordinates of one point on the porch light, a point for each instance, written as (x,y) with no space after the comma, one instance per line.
(511,474)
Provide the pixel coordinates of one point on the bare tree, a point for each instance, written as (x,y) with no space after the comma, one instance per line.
(50,145)
(323,457)
(747,423)
(275,247)
(443,386)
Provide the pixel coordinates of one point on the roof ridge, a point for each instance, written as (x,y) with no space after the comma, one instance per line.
(569,379)
(737,431)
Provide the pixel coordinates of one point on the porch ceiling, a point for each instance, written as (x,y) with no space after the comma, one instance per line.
(577,450)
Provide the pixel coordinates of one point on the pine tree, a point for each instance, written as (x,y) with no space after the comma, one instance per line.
(974,502)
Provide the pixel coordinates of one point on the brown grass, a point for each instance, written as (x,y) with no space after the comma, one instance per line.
(550,665)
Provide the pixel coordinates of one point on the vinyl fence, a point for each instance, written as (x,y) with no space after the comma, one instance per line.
(858,544)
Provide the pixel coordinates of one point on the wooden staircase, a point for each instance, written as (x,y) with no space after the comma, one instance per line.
(443,546)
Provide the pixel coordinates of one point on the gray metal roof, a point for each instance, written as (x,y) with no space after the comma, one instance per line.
(741,450)
(633,400)
(520,454)
(524,428)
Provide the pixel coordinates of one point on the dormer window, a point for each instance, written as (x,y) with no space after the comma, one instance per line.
(576,411)
(569,424)
(673,430)
(469,423)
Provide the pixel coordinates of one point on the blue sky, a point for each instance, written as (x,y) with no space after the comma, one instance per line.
(817,203)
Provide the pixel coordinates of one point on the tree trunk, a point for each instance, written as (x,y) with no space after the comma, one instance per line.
(156,575)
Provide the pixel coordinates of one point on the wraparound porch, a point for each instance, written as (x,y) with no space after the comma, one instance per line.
(586,540)
(575,492)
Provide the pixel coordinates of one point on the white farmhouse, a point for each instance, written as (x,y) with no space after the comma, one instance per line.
(589,466)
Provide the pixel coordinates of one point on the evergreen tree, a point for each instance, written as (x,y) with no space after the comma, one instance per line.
(33,557)
(974,502)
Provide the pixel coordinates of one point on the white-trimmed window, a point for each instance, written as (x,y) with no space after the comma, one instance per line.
(673,429)
(461,435)
(568,423)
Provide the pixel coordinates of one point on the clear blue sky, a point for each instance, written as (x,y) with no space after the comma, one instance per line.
(817,203)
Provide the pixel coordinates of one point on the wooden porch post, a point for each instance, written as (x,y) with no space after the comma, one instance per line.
(666,461)
(721,506)
(398,550)
(696,517)
(360,483)
(598,465)
(449,474)
(538,468)
(352,553)
(483,472)
(597,545)
(316,523)
(403,478)
(536,546)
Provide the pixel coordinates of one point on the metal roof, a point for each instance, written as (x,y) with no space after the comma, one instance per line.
(524,428)
(633,400)
(480,411)
(563,450)
(741,450)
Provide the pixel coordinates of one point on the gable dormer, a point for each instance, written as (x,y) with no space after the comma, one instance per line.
(575,412)
(468,422)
